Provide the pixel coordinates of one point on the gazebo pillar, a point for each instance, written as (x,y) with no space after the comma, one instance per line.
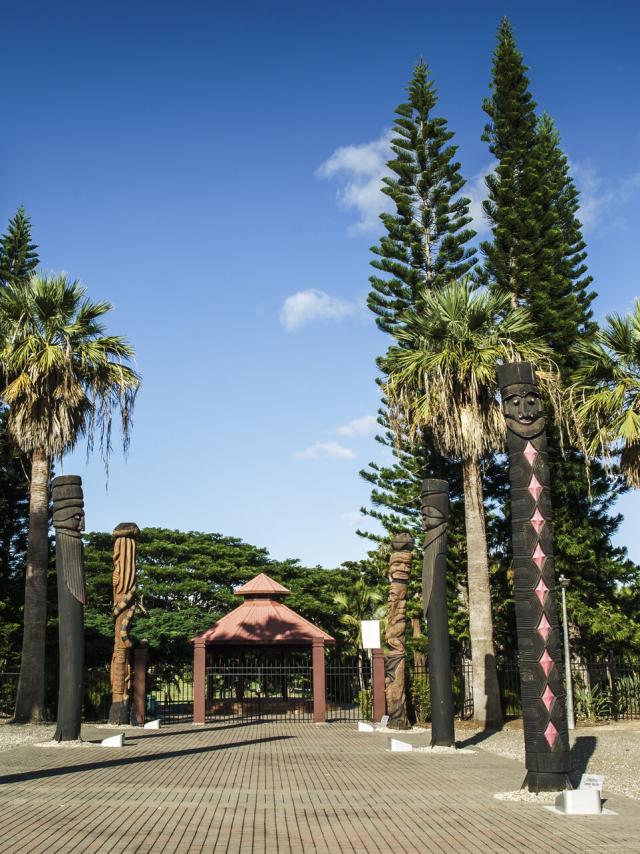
(319,686)
(199,679)
(377,685)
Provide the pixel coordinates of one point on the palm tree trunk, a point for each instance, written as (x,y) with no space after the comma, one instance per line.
(30,695)
(487,710)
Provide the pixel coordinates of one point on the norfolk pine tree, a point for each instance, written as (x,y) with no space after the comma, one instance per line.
(425,247)
(538,256)
(18,255)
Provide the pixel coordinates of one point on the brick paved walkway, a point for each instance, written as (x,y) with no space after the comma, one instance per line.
(278,787)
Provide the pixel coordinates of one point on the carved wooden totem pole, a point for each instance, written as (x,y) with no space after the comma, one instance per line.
(545,724)
(124,606)
(68,521)
(394,660)
(435,513)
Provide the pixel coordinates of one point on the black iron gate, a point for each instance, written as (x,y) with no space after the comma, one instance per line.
(170,698)
(348,689)
(259,690)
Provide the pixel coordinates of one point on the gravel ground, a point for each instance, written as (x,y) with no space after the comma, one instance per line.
(14,735)
(611,749)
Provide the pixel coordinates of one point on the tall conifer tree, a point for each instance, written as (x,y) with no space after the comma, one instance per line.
(18,253)
(538,255)
(426,244)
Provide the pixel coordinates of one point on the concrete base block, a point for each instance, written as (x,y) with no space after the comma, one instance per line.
(364,727)
(579,802)
(153,724)
(113,741)
(397,746)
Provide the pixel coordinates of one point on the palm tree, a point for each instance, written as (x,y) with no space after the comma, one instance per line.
(361,603)
(442,377)
(63,380)
(606,396)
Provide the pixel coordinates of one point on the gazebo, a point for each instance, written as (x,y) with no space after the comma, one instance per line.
(261,621)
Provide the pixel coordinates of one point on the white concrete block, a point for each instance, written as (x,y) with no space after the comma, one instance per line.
(153,724)
(113,741)
(579,802)
(364,727)
(397,746)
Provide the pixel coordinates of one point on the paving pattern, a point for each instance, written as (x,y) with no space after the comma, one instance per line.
(281,787)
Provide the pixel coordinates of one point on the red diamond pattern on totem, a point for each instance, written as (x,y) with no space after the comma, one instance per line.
(546,662)
(530,454)
(550,733)
(548,697)
(544,627)
(537,521)
(538,556)
(541,591)
(534,488)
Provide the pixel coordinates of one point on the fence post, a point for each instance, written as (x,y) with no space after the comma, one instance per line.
(377,685)
(140,663)
(199,679)
(319,687)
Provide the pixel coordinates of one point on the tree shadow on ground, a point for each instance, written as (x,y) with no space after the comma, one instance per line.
(140,734)
(46,773)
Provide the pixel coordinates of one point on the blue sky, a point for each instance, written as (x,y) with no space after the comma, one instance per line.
(212,170)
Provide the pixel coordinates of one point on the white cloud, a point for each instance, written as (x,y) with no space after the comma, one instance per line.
(476,191)
(307,306)
(600,200)
(326,450)
(361,169)
(351,518)
(362,426)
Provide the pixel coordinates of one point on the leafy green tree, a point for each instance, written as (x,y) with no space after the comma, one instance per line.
(360,602)
(607,393)
(18,257)
(185,583)
(64,378)
(18,253)
(444,378)
(14,513)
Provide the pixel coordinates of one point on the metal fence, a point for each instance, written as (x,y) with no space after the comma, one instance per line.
(603,689)
(255,690)
(170,697)
(348,689)
(97,693)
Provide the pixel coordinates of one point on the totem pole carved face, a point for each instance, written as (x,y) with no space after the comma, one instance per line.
(68,506)
(435,504)
(400,558)
(522,408)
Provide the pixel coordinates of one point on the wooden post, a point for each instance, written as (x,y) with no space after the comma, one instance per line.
(377,684)
(140,664)
(199,674)
(319,688)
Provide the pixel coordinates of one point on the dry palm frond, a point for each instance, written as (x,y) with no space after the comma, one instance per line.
(64,378)
(442,374)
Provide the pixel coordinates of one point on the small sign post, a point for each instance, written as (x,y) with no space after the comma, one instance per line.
(370,634)
(592,781)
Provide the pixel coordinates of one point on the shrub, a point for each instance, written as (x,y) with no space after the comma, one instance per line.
(421,698)
(365,703)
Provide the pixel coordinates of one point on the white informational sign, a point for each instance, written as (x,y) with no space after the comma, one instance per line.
(592,781)
(384,720)
(370,634)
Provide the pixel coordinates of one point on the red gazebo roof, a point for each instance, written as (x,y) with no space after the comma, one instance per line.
(262,620)
(261,584)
